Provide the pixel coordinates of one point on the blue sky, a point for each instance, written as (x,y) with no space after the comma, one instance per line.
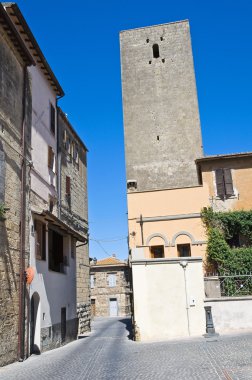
(80,40)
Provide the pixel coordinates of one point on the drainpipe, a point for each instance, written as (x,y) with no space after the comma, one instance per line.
(141,225)
(184,265)
(58,177)
(22,280)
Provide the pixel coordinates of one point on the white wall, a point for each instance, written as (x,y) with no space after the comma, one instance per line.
(161,293)
(231,313)
(42,97)
(56,290)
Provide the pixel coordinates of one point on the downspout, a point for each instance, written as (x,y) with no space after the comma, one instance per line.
(22,280)
(184,265)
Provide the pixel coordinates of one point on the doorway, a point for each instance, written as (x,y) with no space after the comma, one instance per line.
(35,324)
(63,324)
(113,307)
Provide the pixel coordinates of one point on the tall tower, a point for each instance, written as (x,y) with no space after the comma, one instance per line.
(161,117)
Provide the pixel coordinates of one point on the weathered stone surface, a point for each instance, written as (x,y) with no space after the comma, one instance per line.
(11,121)
(74,211)
(161,117)
(102,292)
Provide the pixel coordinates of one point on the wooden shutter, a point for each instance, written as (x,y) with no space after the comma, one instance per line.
(50,157)
(228,182)
(220,186)
(52,119)
(68,185)
(40,240)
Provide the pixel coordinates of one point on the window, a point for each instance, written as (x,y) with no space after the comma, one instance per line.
(68,185)
(50,158)
(55,251)
(184,250)
(40,240)
(92,281)
(75,153)
(73,247)
(224,182)
(112,280)
(155,49)
(50,203)
(157,251)
(52,119)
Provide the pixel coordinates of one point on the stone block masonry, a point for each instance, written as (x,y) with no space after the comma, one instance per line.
(161,118)
(11,120)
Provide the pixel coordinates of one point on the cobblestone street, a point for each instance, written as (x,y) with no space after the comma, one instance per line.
(108,354)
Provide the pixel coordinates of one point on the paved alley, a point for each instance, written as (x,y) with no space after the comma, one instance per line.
(108,354)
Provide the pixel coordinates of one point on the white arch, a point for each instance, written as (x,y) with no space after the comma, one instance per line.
(156,234)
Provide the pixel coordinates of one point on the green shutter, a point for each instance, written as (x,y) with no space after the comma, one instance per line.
(228,182)
(220,182)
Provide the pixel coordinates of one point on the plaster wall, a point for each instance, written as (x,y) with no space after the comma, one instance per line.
(241,169)
(56,290)
(170,217)
(160,299)
(43,179)
(230,314)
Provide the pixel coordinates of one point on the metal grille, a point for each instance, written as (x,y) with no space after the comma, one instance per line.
(234,285)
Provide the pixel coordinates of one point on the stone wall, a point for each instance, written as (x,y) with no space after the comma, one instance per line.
(101,292)
(161,118)
(51,336)
(11,119)
(74,210)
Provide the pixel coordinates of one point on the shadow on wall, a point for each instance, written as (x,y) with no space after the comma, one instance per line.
(128,327)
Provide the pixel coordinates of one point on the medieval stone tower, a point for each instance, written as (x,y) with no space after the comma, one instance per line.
(161,117)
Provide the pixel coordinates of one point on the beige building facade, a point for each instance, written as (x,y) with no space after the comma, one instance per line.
(110,288)
(169,181)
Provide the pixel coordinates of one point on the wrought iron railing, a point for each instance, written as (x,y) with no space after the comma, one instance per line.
(232,285)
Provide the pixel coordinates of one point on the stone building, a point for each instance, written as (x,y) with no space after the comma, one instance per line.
(110,290)
(56,213)
(73,206)
(169,181)
(15,154)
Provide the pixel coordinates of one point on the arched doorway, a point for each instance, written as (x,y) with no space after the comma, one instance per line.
(35,324)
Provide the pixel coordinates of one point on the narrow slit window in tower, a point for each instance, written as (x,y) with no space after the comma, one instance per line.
(155,49)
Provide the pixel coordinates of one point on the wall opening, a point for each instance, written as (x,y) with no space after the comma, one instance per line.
(155,49)
(157,251)
(35,324)
(184,250)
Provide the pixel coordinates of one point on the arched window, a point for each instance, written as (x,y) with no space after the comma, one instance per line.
(155,49)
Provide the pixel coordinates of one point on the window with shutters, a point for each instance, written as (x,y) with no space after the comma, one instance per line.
(112,280)
(92,281)
(40,240)
(50,158)
(52,119)
(68,185)
(224,183)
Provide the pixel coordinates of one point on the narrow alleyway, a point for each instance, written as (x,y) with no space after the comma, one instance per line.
(108,354)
